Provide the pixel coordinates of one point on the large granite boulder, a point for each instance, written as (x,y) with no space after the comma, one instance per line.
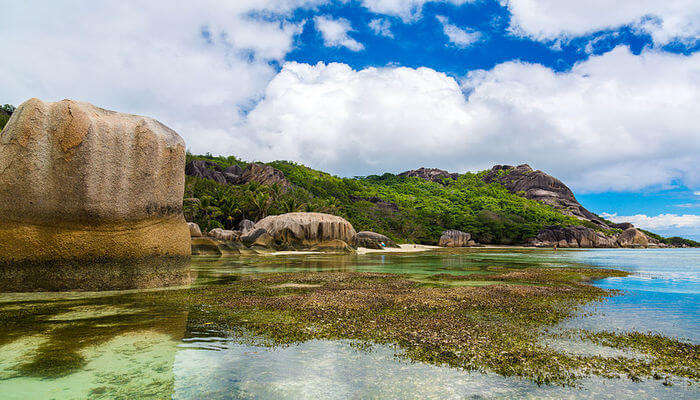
(78,182)
(455,238)
(572,236)
(300,229)
(632,237)
(257,237)
(539,186)
(372,240)
(332,246)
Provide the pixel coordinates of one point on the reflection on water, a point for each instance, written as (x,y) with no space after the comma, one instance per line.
(96,276)
(131,344)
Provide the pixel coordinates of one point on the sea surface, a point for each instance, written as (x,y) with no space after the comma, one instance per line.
(133,349)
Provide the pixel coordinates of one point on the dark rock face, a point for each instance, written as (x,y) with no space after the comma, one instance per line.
(632,237)
(235,175)
(455,238)
(430,174)
(621,225)
(536,185)
(372,240)
(264,175)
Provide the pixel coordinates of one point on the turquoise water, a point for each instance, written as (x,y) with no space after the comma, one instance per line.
(134,347)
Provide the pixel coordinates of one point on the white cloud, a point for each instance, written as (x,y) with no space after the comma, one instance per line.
(461,38)
(661,221)
(408,10)
(335,33)
(381,26)
(146,58)
(666,20)
(616,121)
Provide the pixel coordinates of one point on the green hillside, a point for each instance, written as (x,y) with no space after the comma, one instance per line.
(406,209)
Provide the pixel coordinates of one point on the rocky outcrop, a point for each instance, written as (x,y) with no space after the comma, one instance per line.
(194,229)
(78,182)
(536,185)
(388,206)
(572,236)
(632,237)
(209,246)
(430,174)
(257,237)
(235,175)
(372,240)
(455,238)
(245,226)
(301,229)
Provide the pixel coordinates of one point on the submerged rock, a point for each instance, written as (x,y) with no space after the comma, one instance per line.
(372,240)
(79,182)
(455,238)
(301,229)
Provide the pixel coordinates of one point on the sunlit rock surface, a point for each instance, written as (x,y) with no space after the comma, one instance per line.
(78,182)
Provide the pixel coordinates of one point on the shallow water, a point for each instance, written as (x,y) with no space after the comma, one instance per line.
(141,349)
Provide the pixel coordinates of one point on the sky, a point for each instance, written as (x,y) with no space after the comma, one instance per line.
(604,97)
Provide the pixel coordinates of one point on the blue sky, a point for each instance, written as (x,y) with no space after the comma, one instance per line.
(606,98)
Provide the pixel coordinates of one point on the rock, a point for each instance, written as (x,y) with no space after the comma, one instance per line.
(372,240)
(78,182)
(536,185)
(632,237)
(264,175)
(333,246)
(194,229)
(245,226)
(205,169)
(302,230)
(257,236)
(430,174)
(572,236)
(621,225)
(223,234)
(208,246)
(454,238)
(471,243)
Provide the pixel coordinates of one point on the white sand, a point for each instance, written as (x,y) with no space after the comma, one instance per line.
(403,248)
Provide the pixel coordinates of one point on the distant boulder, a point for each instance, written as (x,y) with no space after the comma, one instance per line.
(205,169)
(306,229)
(235,175)
(245,226)
(622,225)
(194,230)
(430,174)
(454,238)
(223,234)
(264,175)
(633,237)
(372,240)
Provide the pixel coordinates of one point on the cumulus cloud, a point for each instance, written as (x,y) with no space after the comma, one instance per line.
(335,33)
(666,20)
(661,221)
(614,122)
(407,10)
(193,69)
(381,26)
(461,38)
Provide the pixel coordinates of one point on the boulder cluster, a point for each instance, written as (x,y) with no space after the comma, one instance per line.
(581,236)
(291,231)
(235,174)
(455,238)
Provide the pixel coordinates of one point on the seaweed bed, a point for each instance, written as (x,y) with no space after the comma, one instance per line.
(494,321)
